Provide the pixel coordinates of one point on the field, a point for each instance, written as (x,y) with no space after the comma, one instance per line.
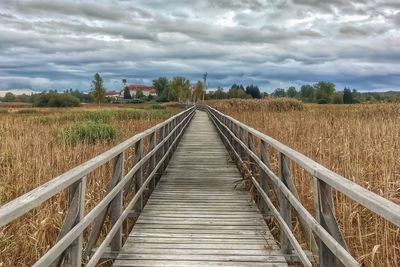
(360,142)
(39,144)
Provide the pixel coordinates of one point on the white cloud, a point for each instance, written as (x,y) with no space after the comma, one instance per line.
(52,43)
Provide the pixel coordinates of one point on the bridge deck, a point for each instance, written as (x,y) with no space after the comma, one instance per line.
(195,216)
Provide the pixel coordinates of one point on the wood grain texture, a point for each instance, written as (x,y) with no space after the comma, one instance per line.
(197,215)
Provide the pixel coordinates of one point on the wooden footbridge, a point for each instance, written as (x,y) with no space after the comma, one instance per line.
(184,191)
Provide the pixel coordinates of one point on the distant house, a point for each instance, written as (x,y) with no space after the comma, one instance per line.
(147,90)
(112,95)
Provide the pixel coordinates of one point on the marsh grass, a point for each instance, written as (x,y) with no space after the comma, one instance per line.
(31,154)
(359,142)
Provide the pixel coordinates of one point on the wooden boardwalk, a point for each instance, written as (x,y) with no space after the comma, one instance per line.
(195,216)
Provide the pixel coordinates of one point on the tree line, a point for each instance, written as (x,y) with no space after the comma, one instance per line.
(326,93)
(181,89)
(321,93)
(178,89)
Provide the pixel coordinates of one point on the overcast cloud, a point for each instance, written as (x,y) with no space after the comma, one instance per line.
(57,44)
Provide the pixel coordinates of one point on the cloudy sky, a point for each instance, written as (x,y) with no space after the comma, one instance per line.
(46,44)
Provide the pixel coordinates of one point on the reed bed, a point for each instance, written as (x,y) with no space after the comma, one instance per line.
(31,153)
(359,142)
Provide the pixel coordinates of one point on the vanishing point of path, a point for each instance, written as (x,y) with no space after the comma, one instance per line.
(196,216)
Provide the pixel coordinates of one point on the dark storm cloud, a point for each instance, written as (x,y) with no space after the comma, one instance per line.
(57,44)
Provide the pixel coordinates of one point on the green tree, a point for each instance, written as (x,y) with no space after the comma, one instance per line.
(357,97)
(324,92)
(198,91)
(338,98)
(219,94)
(307,93)
(139,94)
(127,93)
(162,86)
(347,96)
(237,91)
(253,90)
(9,97)
(98,89)
(291,92)
(179,89)
(279,92)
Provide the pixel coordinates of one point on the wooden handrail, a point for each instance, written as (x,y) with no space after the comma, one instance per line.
(69,243)
(374,202)
(21,205)
(331,244)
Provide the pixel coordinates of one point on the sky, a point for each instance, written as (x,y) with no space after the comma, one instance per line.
(58,44)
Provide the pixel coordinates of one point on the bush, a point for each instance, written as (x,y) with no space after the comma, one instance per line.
(89,132)
(322,101)
(55,100)
(3,111)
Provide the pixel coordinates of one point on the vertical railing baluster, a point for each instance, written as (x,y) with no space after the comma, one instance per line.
(76,196)
(240,135)
(285,209)
(264,179)
(235,133)
(139,174)
(116,204)
(165,146)
(250,145)
(325,217)
(152,163)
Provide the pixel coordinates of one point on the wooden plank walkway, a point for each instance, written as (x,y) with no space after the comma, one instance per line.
(195,216)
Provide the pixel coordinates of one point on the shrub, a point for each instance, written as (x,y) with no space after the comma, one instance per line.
(90,132)
(322,101)
(55,100)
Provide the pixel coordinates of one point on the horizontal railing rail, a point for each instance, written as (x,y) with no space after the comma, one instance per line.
(68,250)
(322,232)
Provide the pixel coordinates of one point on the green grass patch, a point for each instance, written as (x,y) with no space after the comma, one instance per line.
(3,111)
(106,116)
(156,106)
(87,132)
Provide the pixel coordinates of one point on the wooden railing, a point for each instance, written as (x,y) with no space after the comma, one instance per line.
(321,232)
(68,250)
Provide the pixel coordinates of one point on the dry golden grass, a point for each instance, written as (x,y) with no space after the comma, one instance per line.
(360,142)
(31,154)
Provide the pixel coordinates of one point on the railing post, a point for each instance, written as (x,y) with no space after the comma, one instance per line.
(264,179)
(165,146)
(250,145)
(116,204)
(325,217)
(139,174)
(152,163)
(169,126)
(175,134)
(240,136)
(235,133)
(285,209)
(76,196)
